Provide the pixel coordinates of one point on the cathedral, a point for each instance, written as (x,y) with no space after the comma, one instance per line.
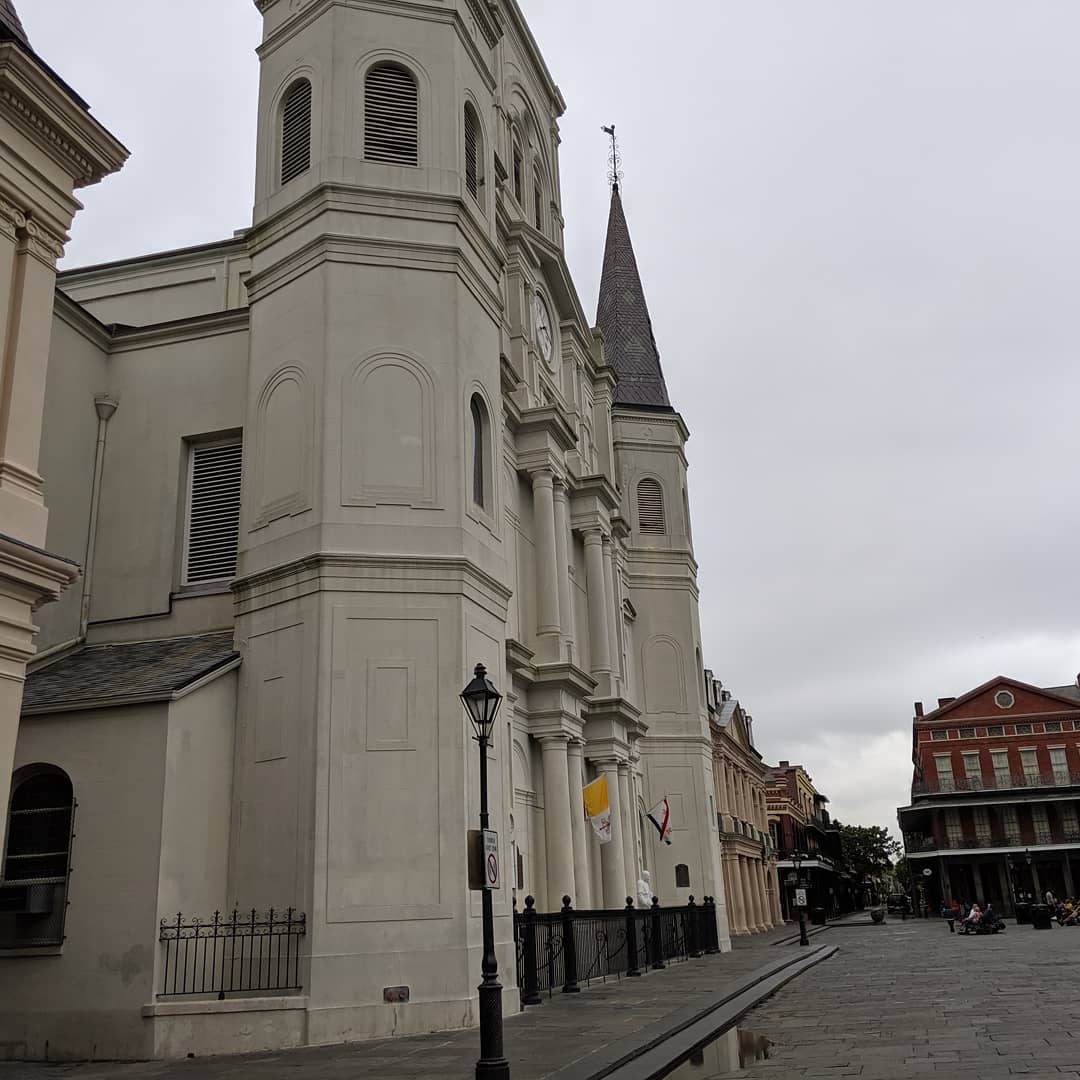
(299,482)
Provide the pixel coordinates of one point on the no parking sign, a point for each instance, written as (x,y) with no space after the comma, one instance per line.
(491,859)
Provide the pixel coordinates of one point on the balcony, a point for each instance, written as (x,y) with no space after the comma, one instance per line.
(999,841)
(1015,782)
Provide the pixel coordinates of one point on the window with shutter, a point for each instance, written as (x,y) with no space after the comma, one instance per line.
(296,131)
(538,201)
(517,173)
(479,453)
(650,507)
(473,153)
(391,116)
(213,513)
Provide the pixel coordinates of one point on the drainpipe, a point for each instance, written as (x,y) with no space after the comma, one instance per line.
(105,407)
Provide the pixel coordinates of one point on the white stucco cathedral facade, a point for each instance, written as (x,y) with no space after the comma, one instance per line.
(312,474)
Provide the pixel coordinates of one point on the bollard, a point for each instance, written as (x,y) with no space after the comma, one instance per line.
(693,949)
(708,914)
(657,945)
(569,947)
(530,984)
(632,969)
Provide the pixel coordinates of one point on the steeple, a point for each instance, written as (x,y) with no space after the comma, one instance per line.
(11,29)
(623,316)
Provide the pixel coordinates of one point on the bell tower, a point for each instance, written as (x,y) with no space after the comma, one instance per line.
(372,575)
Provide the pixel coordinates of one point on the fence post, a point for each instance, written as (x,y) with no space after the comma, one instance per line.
(632,969)
(569,946)
(657,933)
(530,985)
(708,913)
(692,948)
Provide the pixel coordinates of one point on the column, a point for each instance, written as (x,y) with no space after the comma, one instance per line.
(612,864)
(558,832)
(582,879)
(609,606)
(774,881)
(980,893)
(548,628)
(562,557)
(1006,892)
(733,881)
(1067,875)
(753,921)
(627,807)
(759,877)
(598,623)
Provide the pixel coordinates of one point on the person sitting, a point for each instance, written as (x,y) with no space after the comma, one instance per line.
(974,917)
(990,920)
(1067,913)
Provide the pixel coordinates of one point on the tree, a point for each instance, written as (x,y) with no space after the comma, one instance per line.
(868,850)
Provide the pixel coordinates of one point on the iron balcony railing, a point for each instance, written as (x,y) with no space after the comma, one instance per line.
(1058,779)
(994,840)
(239,952)
(565,948)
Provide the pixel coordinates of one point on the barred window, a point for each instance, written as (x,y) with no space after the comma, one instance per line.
(33,888)
(213,513)
(296,131)
(391,116)
(650,507)
(474,152)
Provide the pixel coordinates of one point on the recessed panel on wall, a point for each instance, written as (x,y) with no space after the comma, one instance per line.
(383,857)
(665,687)
(283,439)
(388,434)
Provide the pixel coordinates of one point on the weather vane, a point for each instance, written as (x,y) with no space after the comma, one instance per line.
(614,159)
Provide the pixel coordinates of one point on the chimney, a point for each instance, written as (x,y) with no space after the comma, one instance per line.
(785,764)
(918,708)
(943,701)
(1078,680)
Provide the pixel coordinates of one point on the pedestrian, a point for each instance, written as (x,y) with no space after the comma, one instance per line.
(1051,900)
(950,913)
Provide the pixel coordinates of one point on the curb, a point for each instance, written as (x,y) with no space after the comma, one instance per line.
(651,1053)
(795,937)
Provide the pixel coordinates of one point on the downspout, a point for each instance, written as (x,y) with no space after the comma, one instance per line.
(105,407)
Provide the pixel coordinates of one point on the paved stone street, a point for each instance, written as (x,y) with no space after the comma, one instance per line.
(564,1030)
(910,1000)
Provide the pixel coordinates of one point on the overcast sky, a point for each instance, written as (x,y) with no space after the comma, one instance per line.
(858,226)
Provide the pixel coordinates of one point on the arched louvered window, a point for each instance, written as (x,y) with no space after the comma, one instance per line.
(650,506)
(538,201)
(296,131)
(517,167)
(391,116)
(34,884)
(213,512)
(479,450)
(474,152)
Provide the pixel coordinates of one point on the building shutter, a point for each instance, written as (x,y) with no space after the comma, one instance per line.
(472,139)
(296,131)
(213,525)
(391,116)
(650,507)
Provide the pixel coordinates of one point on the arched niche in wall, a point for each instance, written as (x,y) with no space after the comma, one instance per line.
(388,438)
(665,679)
(284,430)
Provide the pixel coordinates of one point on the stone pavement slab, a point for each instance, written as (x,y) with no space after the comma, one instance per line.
(563,1030)
(908,999)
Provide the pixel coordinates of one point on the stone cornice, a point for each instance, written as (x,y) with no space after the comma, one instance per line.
(46,113)
(31,574)
(130,338)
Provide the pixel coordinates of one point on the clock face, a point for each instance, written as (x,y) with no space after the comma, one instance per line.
(545,338)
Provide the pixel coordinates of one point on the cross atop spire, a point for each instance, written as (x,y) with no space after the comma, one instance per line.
(623,315)
(11,29)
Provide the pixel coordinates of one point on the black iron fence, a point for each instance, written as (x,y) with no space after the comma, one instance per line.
(234,953)
(564,949)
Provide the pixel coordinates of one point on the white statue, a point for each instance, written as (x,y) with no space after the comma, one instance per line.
(644,890)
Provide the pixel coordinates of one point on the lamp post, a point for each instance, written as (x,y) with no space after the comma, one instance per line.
(482,701)
(796,862)
(1032,898)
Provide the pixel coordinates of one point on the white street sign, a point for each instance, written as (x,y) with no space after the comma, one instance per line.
(800,898)
(491,859)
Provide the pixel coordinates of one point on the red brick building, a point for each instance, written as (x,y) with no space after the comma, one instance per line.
(995,794)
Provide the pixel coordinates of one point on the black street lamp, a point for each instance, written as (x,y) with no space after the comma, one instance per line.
(482,701)
(1031,877)
(796,862)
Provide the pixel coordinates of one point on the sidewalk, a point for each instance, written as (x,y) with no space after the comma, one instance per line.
(548,1037)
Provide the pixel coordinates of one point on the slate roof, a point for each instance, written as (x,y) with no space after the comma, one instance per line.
(623,316)
(1072,691)
(141,670)
(10,26)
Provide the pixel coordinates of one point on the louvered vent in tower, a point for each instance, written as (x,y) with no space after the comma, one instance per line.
(472,156)
(296,131)
(391,116)
(213,524)
(650,507)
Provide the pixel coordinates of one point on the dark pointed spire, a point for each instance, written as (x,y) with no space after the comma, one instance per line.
(10,26)
(623,317)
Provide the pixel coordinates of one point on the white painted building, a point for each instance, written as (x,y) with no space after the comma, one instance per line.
(314,473)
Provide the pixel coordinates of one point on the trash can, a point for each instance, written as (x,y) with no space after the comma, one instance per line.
(1040,917)
(817,916)
(1023,913)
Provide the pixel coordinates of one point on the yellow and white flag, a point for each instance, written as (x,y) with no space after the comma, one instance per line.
(598,809)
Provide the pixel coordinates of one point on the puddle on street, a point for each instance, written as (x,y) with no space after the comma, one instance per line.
(735,1049)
